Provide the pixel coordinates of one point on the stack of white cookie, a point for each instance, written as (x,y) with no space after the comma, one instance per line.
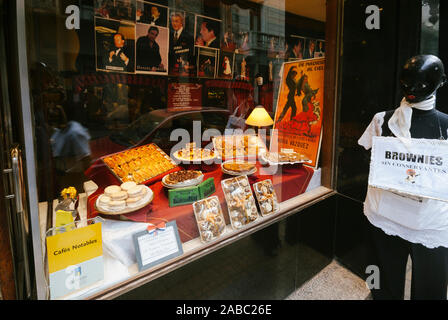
(128,194)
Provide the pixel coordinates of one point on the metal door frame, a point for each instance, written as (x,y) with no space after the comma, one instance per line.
(20,49)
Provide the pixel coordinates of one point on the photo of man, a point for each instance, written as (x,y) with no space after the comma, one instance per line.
(151,48)
(320,51)
(310,48)
(207,32)
(115,45)
(181,53)
(152,14)
(296,46)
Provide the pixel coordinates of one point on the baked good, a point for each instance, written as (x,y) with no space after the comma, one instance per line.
(181,176)
(117,204)
(105,200)
(139,164)
(238,166)
(128,185)
(111,190)
(137,191)
(133,201)
(120,195)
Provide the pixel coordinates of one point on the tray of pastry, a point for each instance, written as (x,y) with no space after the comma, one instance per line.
(266,197)
(140,164)
(209,218)
(284,157)
(240,201)
(234,146)
(190,153)
(125,198)
(182,178)
(237,167)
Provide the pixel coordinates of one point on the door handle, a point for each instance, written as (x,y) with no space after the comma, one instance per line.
(17,178)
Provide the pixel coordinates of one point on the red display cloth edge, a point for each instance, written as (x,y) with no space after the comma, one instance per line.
(290,182)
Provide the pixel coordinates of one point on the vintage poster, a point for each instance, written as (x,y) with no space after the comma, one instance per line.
(298,116)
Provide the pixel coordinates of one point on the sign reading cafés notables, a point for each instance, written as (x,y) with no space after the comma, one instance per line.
(419,169)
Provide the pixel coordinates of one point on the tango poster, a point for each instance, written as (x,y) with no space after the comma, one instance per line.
(298,116)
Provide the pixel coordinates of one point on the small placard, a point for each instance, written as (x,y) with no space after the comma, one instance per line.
(157,246)
(181,196)
(207,188)
(75,260)
(419,169)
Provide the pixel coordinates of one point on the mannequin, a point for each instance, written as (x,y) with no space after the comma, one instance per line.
(393,241)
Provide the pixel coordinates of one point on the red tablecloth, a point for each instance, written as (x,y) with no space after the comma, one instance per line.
(291,181)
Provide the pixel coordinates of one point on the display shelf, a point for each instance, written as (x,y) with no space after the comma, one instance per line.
(114,286)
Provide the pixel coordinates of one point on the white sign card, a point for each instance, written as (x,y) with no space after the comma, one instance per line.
(157,246)
(420,169)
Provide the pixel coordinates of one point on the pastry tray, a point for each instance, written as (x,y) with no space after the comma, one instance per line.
(152,179)
(233,139)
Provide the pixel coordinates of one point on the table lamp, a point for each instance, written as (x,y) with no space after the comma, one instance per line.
(259,117)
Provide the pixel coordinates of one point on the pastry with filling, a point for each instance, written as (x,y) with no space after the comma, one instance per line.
(238,166)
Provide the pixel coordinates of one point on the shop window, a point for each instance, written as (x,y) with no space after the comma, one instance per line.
(146,89)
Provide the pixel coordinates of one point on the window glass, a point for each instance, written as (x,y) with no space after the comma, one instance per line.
(158,75)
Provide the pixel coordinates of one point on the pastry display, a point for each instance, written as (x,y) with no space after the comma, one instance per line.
(191,153)
(124,199)
(240,201)
(139,164)
(266,197)
(238,167)
(285,157)
(209,218)
(182,178)
(232,146)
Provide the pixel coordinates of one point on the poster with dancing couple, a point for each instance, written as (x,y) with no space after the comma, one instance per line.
(298,116)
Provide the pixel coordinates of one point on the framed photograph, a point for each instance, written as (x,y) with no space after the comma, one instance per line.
(151,13)
(115,9)
(114,45)
(207,32)
(296,47)
(151,50)
(181,46)
(310,48)
(241,67)
(228,43)
(320,49)
(226,65)
(243,46)
(207,59)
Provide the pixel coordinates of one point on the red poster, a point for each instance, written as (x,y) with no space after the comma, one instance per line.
(184,96)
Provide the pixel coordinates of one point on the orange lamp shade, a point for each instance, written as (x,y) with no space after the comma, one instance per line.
(259,117)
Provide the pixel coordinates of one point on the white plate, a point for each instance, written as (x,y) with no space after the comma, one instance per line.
(140,204)
(188,183)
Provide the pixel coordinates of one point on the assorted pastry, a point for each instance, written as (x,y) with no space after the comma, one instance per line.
(183,178)
(238,167)
(240,201)
(139,164)
(231,146)
(127,195)
(285,157)
(191,153)
(266,196)
(209,217)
